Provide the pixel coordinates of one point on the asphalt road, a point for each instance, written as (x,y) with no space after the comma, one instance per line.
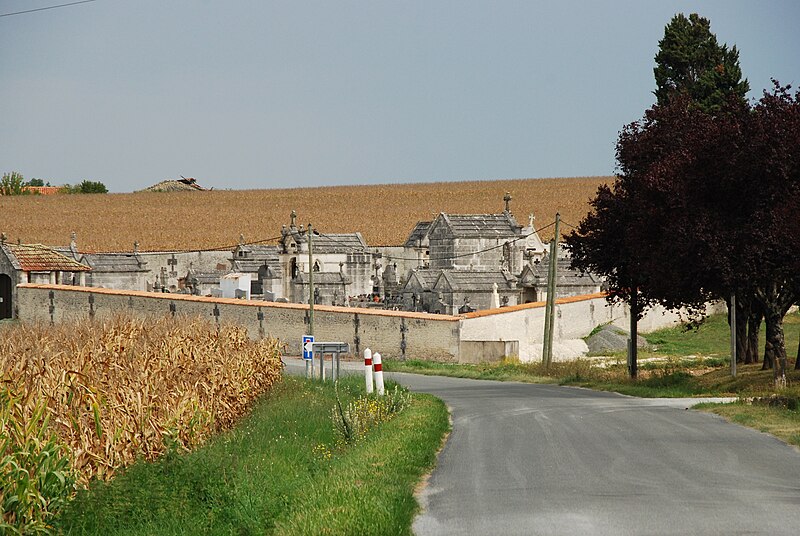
(542,459)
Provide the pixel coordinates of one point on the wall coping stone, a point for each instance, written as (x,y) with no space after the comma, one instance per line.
(533,305)
(249,303)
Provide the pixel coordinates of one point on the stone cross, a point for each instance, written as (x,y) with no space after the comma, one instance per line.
(531,218)
(507,198)
(173,263)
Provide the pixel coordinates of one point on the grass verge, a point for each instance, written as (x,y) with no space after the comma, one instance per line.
(280,471)
(783,423)
(680,364)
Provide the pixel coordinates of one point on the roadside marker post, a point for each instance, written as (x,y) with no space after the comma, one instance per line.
(376,364)
(368,369)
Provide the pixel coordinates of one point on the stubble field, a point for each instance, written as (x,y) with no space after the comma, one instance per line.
(384,214)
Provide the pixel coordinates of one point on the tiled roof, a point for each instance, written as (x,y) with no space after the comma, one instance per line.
(39,258)
(418,234)
(482,225)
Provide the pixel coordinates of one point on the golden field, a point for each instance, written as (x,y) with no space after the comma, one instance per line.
(123,389)
(384,214)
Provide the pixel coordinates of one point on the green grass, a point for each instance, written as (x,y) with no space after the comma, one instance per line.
(279,472)
(780,422)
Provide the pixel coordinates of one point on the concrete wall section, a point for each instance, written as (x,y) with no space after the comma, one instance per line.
(393,333)
(575,318)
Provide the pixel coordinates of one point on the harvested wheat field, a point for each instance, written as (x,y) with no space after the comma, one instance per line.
(385,214)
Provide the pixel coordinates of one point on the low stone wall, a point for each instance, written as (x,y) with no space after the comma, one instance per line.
(473,337)
(395,334)
(576,317)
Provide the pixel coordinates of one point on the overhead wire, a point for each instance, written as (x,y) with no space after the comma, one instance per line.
(45,8)
(449,257)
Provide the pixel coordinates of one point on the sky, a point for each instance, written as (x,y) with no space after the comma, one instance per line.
(247,94)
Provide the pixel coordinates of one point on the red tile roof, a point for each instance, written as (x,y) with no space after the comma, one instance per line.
(39,258)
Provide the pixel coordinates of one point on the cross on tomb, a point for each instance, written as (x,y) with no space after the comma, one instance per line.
(173,263)
(507,198)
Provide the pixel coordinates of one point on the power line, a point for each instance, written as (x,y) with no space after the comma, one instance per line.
(45,8)
(393,257)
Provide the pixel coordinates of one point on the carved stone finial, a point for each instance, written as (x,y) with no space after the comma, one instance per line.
(294,218)
(3,238)
(241,239)
(507,198)
(73,237)
(136,247)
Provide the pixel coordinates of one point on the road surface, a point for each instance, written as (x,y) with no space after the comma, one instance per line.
(550,460)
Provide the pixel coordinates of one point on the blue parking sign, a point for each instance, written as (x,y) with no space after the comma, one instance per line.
(308,349)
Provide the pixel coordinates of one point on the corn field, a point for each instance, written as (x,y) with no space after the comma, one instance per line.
(129,388)
(384,214)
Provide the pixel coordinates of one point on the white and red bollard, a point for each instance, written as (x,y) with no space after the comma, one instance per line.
(376,364)
(368,369)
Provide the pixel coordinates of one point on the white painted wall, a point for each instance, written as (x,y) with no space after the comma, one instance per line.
(574,320)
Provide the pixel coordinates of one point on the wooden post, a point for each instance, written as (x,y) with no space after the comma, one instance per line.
(310,282)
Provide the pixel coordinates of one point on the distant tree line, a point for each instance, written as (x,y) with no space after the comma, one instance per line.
(706,202)
(13,183)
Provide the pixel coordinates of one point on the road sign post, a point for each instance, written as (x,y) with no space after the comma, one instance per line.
(308,354)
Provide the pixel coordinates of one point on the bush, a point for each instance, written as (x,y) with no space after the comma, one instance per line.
(85,187)
(12,184)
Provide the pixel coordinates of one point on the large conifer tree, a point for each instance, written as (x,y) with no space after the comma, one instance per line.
(691,62)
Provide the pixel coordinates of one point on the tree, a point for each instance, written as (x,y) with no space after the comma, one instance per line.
(93,187)
(12,184)
(35,182)
(704,206)
(690,62)
(85,187)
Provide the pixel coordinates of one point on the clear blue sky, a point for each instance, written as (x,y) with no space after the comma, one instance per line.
(262,94)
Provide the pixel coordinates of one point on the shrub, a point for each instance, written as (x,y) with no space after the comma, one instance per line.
(12,184)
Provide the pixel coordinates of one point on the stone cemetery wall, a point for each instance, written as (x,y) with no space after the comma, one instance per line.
(395,334)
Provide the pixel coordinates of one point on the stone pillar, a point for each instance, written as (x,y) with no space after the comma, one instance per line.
(52,278)
(82,279)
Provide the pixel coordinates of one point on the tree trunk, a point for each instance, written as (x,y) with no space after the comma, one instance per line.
(634,365)
(753,329)
(776,345)
(797,361)
(742,316)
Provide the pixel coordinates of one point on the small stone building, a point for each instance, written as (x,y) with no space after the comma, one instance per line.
(33,263)
(475,290)
(417,294)
(123,271)
(569,282)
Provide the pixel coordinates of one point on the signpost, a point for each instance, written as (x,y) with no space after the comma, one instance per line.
(308,353)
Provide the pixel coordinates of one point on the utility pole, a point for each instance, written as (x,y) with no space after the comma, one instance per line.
(550,306)
(310,282)
(733,334)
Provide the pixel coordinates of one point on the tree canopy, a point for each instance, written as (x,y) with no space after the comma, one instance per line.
(692,63)
(703,206)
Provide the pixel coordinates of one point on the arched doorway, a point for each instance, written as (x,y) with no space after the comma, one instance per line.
(6,310)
